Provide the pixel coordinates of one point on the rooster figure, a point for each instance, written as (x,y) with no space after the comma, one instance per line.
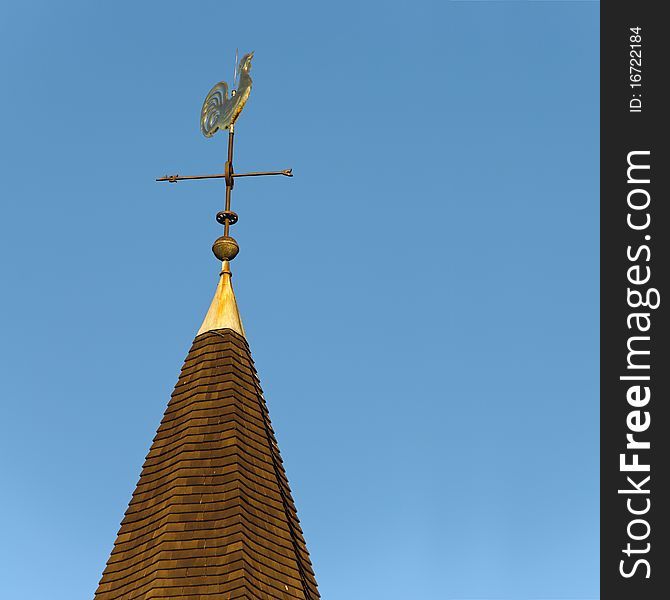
(219,111)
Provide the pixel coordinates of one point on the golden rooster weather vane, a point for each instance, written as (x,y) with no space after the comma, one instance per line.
(219,112)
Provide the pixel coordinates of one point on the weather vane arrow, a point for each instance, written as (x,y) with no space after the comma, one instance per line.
(219,112)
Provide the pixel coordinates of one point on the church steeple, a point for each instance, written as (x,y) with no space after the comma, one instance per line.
(212,514)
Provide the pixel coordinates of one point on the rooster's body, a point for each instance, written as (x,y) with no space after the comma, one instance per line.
(219,111)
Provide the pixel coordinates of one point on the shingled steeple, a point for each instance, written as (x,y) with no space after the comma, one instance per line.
(212,515)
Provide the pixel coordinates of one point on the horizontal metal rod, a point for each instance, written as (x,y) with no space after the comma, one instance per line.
(173,178)
(287,172)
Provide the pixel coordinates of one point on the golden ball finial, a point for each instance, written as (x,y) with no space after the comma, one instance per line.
(225,248)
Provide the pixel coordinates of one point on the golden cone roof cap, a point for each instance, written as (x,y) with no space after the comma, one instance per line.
(223,312)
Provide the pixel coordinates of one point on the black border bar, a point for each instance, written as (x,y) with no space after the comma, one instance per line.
(635,266)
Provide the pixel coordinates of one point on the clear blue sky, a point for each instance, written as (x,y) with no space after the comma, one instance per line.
(421,299)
